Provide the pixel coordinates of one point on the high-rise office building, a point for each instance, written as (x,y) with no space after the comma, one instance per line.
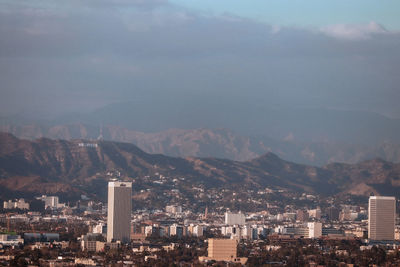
(381,218)
(119,211)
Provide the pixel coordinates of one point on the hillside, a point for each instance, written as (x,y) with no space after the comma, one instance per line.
(78,166)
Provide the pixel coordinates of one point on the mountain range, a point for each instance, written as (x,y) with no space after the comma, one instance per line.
(246,118)
(46,166)
(219,143)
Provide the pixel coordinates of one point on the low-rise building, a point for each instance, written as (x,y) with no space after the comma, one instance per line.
(85,261)
(41,237)
(92,242)
(11,240)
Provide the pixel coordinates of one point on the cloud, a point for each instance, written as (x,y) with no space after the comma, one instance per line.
(354,32)
(55,54)
(122,4)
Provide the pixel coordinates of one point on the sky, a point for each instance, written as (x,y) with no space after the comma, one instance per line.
(79,55)
(303,13)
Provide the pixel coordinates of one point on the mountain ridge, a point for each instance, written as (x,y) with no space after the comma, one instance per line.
(51,166)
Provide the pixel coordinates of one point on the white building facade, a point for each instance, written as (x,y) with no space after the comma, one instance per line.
(314,229)
(119,211)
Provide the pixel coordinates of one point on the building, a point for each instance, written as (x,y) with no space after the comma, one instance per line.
(92,242)
(51,202)
(381,218)
(119,211)
(314,229)
(332,213)
(333,232)
(223,250)
(11,240)
(41,237)
(99,228)
(149,230)
(295,231)
(13,219)
(234,232)
(262,231)
(289,216)
(348,214)
(159,231)
(8,204)
(243,232)
(301,216)
(85,262)
(235,218)
(137,232)
(17,204)
(315,213)
(177,230)
(249,232)
(397,234)
(173,209)
(195,230)
(198,230)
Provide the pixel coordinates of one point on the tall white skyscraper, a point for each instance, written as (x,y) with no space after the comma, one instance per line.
(381,217)
(119,211)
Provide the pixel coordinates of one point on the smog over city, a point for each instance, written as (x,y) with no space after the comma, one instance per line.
(199,133)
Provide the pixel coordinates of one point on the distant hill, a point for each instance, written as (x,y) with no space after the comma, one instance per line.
(81,166)
(220,143)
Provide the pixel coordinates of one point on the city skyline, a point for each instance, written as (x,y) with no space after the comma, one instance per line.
(199,133)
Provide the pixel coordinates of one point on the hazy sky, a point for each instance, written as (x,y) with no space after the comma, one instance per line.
(303,12)
(77,55)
